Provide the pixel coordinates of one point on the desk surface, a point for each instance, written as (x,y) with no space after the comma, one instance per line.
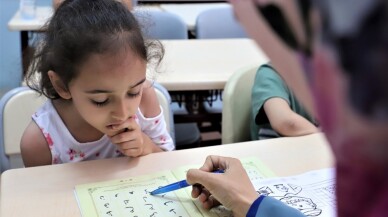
(205,64)
(42,14)
(48,190)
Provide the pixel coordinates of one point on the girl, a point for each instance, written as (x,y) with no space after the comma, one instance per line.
(56,3)
(92,65)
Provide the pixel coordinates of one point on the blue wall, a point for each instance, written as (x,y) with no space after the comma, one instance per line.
(10,54)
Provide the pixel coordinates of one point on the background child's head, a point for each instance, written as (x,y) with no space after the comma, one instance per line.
(81,28)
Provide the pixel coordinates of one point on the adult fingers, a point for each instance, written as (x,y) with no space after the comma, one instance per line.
(214,162)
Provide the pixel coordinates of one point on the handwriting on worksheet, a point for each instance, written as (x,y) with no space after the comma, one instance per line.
(130,197)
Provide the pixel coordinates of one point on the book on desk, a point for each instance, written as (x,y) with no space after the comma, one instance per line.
(131,196)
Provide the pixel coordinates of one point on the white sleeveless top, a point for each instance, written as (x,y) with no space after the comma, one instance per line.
(65,148)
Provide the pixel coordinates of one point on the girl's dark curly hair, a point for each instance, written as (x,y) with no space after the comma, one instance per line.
(80,28)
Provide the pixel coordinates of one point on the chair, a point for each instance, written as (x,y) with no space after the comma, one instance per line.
(218,23)
(161,25)
(236,111)
(17,107)
(188,134)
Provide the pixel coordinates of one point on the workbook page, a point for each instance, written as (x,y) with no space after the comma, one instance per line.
(313,193)
(130,197)
(255,169)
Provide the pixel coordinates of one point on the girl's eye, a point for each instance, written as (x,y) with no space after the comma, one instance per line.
(133,95)
(99,104)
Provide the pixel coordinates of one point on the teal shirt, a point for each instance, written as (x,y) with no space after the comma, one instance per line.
(269,84)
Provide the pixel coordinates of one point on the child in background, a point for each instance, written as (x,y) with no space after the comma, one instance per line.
(92,65)
(344,84)
(276,110)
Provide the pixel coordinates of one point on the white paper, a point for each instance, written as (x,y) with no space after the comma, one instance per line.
(313,193)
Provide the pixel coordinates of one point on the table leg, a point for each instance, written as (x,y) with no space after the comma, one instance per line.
(26,51)
(24,39)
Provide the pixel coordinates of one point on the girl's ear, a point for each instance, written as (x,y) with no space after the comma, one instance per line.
(58,85)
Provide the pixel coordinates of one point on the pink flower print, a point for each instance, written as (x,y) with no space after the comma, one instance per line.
(48,139)
(73,154)
(71,151)
(162,139)
(55,160)
(156,121)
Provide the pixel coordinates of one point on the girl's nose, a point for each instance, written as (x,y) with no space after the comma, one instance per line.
(121,110)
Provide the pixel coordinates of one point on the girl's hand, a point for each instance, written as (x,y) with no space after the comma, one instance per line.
(131,141)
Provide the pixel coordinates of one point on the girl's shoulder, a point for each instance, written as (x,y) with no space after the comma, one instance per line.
(34,147)
(149,104)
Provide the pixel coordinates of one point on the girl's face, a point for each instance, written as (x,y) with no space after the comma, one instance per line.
(108,89)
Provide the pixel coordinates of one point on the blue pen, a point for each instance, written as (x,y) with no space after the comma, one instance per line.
(175,186)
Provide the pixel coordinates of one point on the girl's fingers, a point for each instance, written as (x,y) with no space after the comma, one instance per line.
(130,124)
(132,152)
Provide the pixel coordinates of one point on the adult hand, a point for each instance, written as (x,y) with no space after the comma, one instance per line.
(130,140)
(232,188)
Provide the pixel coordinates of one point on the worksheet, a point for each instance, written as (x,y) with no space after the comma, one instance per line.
(313,193)
(131,197)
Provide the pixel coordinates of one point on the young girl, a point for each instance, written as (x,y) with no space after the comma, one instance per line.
(92,65)
(128,3)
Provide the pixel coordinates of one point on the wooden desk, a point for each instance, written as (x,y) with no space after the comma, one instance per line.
(189,12)
(205,64)
(48,190)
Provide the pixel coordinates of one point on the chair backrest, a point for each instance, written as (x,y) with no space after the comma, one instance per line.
(161,25)
(16,107)
(218,23)
(236,111)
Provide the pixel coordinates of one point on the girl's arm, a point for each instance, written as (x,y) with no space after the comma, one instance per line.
(34,147)
(156,131)
(149,104)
